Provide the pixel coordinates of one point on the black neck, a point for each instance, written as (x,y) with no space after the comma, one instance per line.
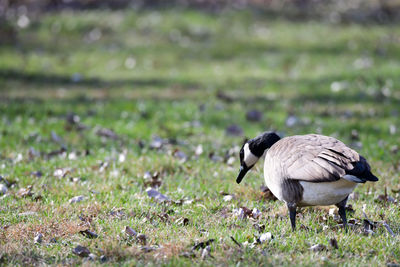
(263,142)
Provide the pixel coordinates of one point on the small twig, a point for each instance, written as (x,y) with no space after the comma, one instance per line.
(389,229)
(366,218)
(236,242)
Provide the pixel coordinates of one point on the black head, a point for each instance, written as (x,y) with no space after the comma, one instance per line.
(252,150)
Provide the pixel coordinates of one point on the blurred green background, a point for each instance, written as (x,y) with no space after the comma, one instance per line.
(105,98)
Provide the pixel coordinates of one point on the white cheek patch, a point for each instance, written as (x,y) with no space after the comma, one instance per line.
(249,158)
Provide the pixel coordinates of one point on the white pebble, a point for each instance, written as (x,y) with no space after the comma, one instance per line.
(3,189)
(228,198)
(266,236)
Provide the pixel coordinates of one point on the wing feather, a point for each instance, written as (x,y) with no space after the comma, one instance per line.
(318,158)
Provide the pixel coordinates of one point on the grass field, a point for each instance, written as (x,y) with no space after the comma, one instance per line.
(106,104)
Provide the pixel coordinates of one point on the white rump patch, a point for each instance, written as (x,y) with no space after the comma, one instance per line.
(326,193)
(249,158)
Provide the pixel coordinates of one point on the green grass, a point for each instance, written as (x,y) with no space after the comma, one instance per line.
(186,76)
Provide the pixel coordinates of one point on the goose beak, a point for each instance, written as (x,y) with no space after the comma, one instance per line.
(242,172)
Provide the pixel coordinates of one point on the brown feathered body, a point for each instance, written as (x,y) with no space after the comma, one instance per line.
(314,170)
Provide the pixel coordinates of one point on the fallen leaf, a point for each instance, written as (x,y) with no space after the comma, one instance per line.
(142,239)
(152,179)
(73,122)
(72,118)
(238,213)
(385,197)
(152,193)
(118,213)
(234,130)
(107,133)
(147,249)
(318,247)
(77,199)
(206,252)
(203,244)
(7,182)
(57,139)
(247,212)
(164,217)
(188,254)
(214,157)
(368,225)
(156,143)
(182,221)
(129,231)
(81,251)
(25,192)
(103,258)
(292,121)
(303,227)
(180,155)
(367,232)
(38,197)
(332,213)
(58,152)
(255,213)
(103,166)
(38,174)
(33,153)
(61,172)
(267,194)
(254,115)
(88,233)
(147,175)
(38,238)
(259,227)
(244,212)
(231,161)
(223,96)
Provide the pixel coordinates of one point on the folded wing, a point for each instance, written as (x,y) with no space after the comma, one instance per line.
(318,158)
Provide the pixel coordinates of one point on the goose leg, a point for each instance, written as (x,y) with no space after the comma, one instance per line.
(342,212)
(292,215)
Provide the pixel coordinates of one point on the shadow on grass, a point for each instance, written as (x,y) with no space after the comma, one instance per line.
(311,90)
(90,83)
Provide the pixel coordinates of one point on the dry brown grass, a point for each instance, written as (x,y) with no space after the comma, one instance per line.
(24,233)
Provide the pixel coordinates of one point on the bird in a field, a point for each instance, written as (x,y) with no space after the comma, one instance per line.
(306,170)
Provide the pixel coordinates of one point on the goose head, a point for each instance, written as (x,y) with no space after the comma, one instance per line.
(252,150)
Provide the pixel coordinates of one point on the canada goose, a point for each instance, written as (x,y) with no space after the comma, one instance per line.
(306,170)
